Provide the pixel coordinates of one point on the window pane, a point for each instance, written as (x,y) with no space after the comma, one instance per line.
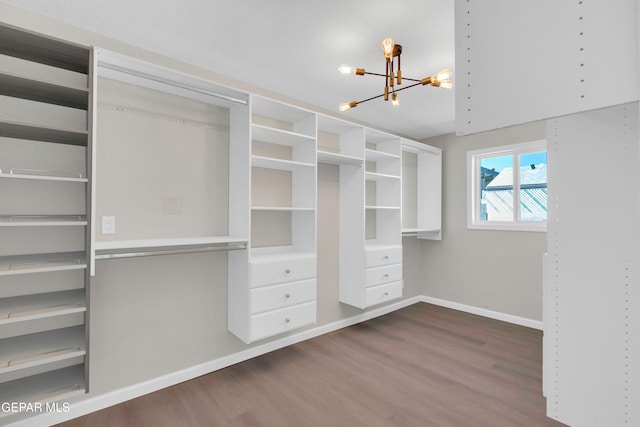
(533,187)
(496,188)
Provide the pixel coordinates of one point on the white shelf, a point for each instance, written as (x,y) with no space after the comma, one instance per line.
(47,387)
(278,136)
(276,254)
(389,208)
(30,351)
(39,263)
(374,176)
(167,243)
(336,158)
(280,164)
(281,209)
(375,155)
(41,175)
(40,306)
(419,231)
(42,220)
(30,131)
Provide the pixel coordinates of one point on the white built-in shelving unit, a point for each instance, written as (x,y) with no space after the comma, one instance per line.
(272,289)
(45,118)
(370,210)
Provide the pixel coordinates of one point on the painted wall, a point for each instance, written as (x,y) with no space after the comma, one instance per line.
(494,270)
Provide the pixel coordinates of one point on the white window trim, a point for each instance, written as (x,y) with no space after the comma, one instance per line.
(473,187)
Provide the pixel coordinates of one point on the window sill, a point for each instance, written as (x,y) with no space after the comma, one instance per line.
(539,227)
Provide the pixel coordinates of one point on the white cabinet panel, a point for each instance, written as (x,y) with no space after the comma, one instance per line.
(287,270)
(279,296)
(383,293)
(379,275)
(283,320)
(383,255)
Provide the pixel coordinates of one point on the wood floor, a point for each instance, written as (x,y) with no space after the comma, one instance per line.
(420,366)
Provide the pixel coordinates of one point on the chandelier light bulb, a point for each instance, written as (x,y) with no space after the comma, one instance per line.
(395,102)
(387,47)
(346,69)
(442,75)
(348,105)
(446,84)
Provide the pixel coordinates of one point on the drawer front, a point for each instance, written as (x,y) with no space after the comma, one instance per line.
(385,256)
(386,274)
(279,296)
(383,293)
(270,273)
(278,321)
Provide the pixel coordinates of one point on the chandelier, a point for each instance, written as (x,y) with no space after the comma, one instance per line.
(392,77)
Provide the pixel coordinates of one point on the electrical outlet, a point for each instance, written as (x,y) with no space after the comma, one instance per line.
(108,225)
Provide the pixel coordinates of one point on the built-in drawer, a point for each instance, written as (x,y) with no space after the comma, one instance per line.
(282,320)
(282,270)
(383,256)
(287,294)
(383,293)
(379,275)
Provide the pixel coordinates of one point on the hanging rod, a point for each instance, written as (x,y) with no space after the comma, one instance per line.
(229,247)
(158,79)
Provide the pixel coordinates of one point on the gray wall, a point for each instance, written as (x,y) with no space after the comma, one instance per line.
(494,270)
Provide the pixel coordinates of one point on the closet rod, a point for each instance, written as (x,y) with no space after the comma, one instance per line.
(172,251)
(158,79)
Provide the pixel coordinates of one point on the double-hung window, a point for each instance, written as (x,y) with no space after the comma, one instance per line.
(507,187)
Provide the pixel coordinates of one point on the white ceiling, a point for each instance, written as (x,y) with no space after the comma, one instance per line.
(292,47)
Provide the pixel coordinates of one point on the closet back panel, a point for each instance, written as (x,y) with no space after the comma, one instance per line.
(163,164)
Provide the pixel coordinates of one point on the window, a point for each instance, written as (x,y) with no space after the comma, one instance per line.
(507,187)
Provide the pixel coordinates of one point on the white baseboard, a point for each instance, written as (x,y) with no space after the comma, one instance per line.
(106,400)
(509,318)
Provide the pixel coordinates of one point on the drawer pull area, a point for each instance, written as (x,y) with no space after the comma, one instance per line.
(287,294)
(289,269)
(378,256)
(383,293)
(277,321)
(385,274)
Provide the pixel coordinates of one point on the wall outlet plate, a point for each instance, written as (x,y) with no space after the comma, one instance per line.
(108,225)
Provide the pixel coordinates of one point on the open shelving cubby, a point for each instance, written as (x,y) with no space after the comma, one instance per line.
(45,139)
(421,190)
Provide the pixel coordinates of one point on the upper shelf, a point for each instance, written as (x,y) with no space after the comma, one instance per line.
(375,155)
(44,50)
(43,91)
(274,163)
(278,136)
(11,129)
(336,158)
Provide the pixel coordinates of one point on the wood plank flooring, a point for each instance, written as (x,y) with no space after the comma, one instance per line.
(420,366)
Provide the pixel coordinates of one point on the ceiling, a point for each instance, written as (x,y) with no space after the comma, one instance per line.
(292,47)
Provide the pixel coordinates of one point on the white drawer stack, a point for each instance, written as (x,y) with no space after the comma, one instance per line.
(383,276)
(282,295)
